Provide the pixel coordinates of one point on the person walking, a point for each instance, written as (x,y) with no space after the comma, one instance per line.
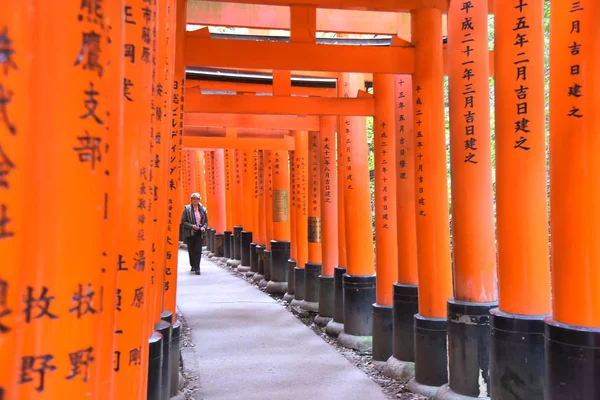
(194,221)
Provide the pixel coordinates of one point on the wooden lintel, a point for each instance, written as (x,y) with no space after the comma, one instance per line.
(257,88)
(199,142)
(362,5)
(232,133)
(250,121)
(279,105)
(203,52)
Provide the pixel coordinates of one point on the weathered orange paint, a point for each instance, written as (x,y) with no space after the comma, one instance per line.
(433,236)
(386,233)
(521,204)
(405,185)
(575,168)
(470,148)
(329,197)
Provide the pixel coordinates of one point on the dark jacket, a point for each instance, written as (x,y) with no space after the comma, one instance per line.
(188,219)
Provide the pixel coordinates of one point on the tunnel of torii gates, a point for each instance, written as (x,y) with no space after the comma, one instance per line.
(100,150)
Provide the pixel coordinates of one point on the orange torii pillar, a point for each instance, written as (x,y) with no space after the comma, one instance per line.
(213,198)
(359,280)
(55,311)
(472,202)
(208,182)
(312,268)
(255,219)
(227,241)
(572,338)
(161,148)
(268,204)
(219,217)
(280,245)
(401,364)
(289,296)
(329,219)
(247,209)
(262,229)
(237,193)
(433,236)
(16,129)
(297,277)
(386,233)
(517,325)
(197,177)
(175,132)
(336,325)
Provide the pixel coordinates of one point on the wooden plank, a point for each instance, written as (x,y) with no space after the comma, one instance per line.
(251,121)
(199,142)
(279,105)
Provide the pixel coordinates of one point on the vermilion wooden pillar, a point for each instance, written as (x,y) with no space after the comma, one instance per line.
(521,204)
(472,201)
(261,241)
(336,325)
(401,364)
(573,332)
(237,207)
(280,245)
(255,220)
(359,281)
(198,182)
(289,296)
(60,302)
(16,131)
(247,208)
(227,240)
(301,155)
(174,188)
(219,217)
(268,216)
(314,260)
(435,275)
(329,218)
(386,232)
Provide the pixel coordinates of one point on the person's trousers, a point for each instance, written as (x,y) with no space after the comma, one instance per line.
(194,244)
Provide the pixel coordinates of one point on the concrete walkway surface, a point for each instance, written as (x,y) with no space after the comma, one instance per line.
(250,347)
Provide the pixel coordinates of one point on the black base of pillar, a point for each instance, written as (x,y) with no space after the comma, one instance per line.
(209,240)
(166,330)
(338,294)
(246,239)
(299,284)
(260,254)
(280,253)
(572,361)
(291,267)
(469,347)
(227,244)
(175,349)
(383,326)
(267,261)
(253,259)
(359,296)
(311,282)
(219,240)
(155,361)
(517,356)
(237,242)
(430,351)
(406,305)
(326,296)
